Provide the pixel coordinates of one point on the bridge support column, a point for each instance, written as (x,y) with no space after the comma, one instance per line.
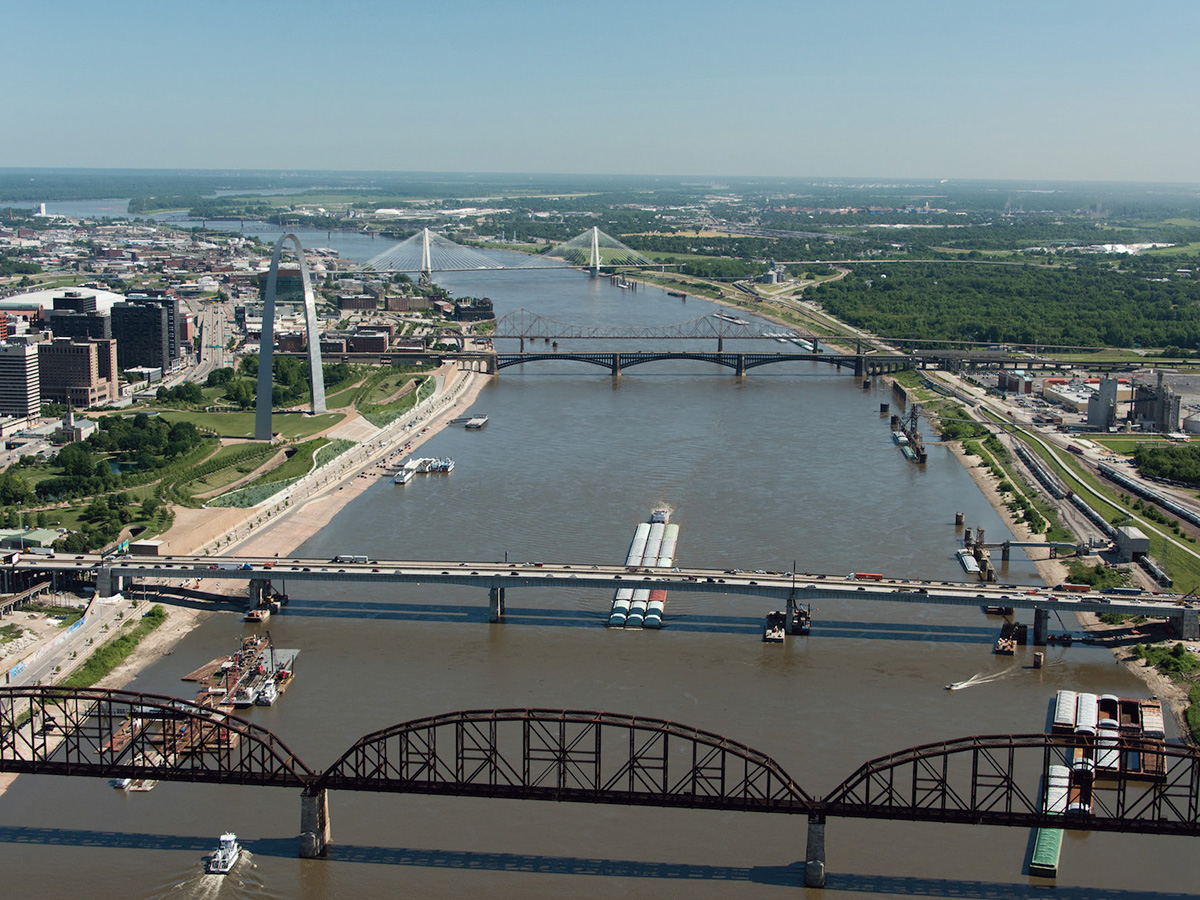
(108,584)
(1188,625)
(314,824)
(616,365)
(741,364)
(814,857)
(860,366)
(1005,551)
(259,589)
(720,345)
(1041,624)
(495,604)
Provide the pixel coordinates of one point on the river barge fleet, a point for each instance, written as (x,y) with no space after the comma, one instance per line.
(653,546)
(1093,726)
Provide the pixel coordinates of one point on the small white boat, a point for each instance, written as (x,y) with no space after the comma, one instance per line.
(268,694)
(404,476)
(226,857)
(120,784)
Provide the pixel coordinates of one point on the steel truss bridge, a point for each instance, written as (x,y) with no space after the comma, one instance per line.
(525,325)
(592,757)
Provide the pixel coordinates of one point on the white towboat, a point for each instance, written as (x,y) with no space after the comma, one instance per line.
(268,694)
(226,857)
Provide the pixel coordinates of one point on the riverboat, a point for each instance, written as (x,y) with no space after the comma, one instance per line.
(732,319)
(226,856)
(404,476)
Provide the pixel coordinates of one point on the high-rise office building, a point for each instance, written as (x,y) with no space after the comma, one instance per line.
(20,393)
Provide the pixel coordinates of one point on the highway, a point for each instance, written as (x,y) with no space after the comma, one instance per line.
(804,587)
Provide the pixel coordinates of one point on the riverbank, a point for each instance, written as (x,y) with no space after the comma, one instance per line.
(283,532)
(1118,638)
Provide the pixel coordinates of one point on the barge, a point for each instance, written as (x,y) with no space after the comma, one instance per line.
(773,628)
(653,546)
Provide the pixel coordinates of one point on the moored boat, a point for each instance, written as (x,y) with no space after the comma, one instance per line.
(773,632)
(268,695)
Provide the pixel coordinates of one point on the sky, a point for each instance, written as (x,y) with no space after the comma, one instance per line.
(1008,89)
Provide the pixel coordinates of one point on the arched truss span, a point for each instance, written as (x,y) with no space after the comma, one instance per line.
(1135,785)
(118,734)
(575,755)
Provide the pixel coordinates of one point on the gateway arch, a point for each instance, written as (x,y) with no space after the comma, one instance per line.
(266,344)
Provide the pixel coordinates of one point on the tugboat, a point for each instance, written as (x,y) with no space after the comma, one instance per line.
(226,857)
(268,694)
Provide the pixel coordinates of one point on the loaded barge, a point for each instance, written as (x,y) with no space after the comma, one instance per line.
(1092,726)
(653,546)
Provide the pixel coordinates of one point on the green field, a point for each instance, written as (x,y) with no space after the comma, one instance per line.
(290,426)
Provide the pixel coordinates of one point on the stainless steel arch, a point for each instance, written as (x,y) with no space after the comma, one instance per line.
(266,344)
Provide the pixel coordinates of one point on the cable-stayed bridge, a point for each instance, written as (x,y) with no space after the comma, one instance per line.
(428,252)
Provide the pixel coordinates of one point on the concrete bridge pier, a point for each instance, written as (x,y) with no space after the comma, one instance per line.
(1041,625)
(741,364)
(616,365)
(259,590)
(1188,625)
(860,366)
(814,857)
(109,584)
(495,604)
(314,824)
(1005,551)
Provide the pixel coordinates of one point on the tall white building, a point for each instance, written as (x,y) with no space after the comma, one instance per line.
(20,393)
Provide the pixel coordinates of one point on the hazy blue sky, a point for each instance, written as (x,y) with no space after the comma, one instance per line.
(919,88)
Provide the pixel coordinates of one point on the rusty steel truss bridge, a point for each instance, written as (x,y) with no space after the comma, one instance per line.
(593,757)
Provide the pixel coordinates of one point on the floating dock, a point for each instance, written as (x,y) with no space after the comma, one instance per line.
(653,546)
(476,422)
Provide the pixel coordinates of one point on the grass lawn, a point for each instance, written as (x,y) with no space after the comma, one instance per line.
(241,424)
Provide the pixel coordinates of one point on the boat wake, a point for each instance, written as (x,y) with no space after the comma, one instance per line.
(979,678)
(243,881)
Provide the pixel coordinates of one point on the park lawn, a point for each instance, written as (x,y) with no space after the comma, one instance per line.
(383,389)
(241,424)
(343,398)
(231,468)
(299,463)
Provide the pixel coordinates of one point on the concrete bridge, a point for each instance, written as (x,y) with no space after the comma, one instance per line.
(113,575)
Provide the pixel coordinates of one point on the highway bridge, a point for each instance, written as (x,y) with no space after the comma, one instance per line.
(112,575)
(586,756)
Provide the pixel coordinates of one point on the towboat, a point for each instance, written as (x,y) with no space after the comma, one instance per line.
(226,856)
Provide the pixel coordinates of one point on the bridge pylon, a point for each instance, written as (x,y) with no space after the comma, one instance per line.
(426,260)
(594,255)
